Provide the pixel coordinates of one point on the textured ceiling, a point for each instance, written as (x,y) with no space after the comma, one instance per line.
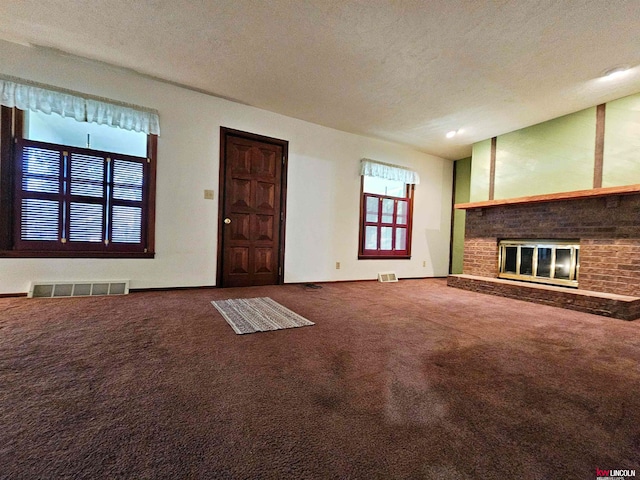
(403,70)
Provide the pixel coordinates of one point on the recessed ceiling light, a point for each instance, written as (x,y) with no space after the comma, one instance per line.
(615,72)
(452,133)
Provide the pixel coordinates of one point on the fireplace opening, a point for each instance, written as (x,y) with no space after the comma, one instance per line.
(555,262)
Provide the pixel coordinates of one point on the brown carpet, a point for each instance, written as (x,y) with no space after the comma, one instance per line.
(395,381)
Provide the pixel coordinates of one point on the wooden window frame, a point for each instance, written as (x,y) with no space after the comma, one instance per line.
(11,132)
(385,254)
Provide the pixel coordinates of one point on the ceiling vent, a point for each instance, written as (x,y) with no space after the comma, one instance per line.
(78,289)
(386,277)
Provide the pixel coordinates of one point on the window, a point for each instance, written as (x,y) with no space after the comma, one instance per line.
(385,226)
(68,131)
(64,200)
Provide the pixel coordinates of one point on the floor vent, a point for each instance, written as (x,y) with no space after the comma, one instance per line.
(78,289)
(386,277)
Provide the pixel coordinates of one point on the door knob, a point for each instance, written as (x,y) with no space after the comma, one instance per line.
(227,221)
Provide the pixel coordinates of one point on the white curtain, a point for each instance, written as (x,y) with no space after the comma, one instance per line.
(124,117)
(27,95)
(373,168)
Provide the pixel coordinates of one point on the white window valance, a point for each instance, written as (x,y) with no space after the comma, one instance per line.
(28,95)
(373,168)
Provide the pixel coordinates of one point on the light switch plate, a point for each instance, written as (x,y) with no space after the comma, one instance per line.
(209,195)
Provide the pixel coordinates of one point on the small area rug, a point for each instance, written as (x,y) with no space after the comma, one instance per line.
(250,315)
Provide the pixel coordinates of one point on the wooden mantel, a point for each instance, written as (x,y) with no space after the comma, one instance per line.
(552,197)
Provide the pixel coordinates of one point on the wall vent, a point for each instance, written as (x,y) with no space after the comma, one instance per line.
(78,289)
(386,277)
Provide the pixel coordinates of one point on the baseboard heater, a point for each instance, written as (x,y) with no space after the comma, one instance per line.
(78,289)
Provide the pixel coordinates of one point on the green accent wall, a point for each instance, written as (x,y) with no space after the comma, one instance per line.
(621,162)
(462,195)
(480,171)
(559,155)
(551,157)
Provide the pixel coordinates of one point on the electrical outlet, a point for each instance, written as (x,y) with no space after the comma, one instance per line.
(337,265)
(209,195)
(424,263)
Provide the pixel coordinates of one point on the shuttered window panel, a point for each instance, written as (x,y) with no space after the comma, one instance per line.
(39,195)
(41,170)
(40,219)
(87,175)
(128,180)
(74,199)
(86,222)
(127,224)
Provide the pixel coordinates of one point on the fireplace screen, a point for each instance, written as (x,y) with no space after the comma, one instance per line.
(542,261)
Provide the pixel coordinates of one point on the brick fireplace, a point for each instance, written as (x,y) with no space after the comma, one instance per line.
(605,222)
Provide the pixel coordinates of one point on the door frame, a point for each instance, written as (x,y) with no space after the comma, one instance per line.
(230,132)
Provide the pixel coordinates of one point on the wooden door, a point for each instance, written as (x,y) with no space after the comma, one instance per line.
(252,210)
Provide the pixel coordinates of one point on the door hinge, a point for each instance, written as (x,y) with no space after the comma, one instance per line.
(283,160)
(280,271)
(281,216)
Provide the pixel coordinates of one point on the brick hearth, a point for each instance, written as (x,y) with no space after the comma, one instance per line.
(607,228)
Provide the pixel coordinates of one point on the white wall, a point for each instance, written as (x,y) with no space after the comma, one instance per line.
(323,196)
